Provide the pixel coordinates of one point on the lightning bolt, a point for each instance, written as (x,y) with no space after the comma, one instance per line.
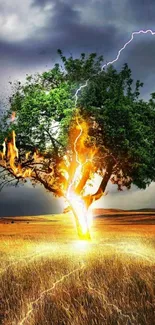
(42,294)
(76,140)
(22,259)
(128,250)
(76,153)
(86,84)
(104,66)
(118,310)
(116,59)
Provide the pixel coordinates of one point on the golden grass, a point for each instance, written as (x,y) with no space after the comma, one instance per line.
(48,277)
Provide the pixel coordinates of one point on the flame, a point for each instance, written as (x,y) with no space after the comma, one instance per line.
(27,154)
(84,216)
(13,116)
(10,156)
(3,153)
(12,153)
(72,170)
(84,156)
(36,155)
(83,159)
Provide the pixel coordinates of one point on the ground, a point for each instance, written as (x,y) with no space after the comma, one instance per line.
(49,277)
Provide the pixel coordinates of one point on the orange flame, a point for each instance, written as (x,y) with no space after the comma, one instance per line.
(11,155)
(83,156)
(27,154)
(13,115)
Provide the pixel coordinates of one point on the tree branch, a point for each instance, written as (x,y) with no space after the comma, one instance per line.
(85,177)
(89,199)
(53,142)
(46,185)
(5,183)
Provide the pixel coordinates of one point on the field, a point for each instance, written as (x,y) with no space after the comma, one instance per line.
(49,277)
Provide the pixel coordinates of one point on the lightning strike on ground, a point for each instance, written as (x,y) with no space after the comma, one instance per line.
(118,310)
(76,202)
(71,196)
(47,291)
(23,259)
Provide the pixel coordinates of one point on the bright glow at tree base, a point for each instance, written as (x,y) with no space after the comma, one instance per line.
(69,169)
(82,215)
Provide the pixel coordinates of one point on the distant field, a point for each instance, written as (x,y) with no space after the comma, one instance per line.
(49,277)
(61,227)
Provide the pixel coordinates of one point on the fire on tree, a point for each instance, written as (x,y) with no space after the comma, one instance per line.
(55,144)
(67,176)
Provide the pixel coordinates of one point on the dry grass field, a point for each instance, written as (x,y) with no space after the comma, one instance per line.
(49,277)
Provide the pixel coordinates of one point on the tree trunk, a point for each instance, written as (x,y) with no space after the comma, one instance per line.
(85,177)
(106,178)
(81,235)
(88,200)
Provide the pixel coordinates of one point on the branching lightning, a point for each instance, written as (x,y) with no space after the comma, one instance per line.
(22,259)
(32,304)
(118,310)
(116,59)
(47,291)
(86,83)
(76,140)
(131,249)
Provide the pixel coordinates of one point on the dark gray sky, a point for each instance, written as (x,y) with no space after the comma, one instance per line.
(31,31)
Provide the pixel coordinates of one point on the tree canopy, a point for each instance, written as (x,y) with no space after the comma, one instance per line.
(120,127)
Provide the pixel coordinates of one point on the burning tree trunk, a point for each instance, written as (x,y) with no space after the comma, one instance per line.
(83,229)
(80,204)
(66,176)
(80,213)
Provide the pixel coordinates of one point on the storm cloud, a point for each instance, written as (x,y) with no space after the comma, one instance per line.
(26,200)
(31,31)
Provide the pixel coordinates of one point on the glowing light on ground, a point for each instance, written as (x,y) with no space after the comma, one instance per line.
(41,250)
(80,210)
(82,246)
(76,200)
(33,304)
(115,307)
(132,248)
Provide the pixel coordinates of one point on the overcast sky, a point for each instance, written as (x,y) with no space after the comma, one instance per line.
(31,31)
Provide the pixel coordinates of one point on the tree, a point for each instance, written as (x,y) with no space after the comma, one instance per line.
(110,132)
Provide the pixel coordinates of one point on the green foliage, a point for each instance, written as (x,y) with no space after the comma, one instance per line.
(125,124)
(40,104)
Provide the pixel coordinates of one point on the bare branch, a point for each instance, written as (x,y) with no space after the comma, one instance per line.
(5,183)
